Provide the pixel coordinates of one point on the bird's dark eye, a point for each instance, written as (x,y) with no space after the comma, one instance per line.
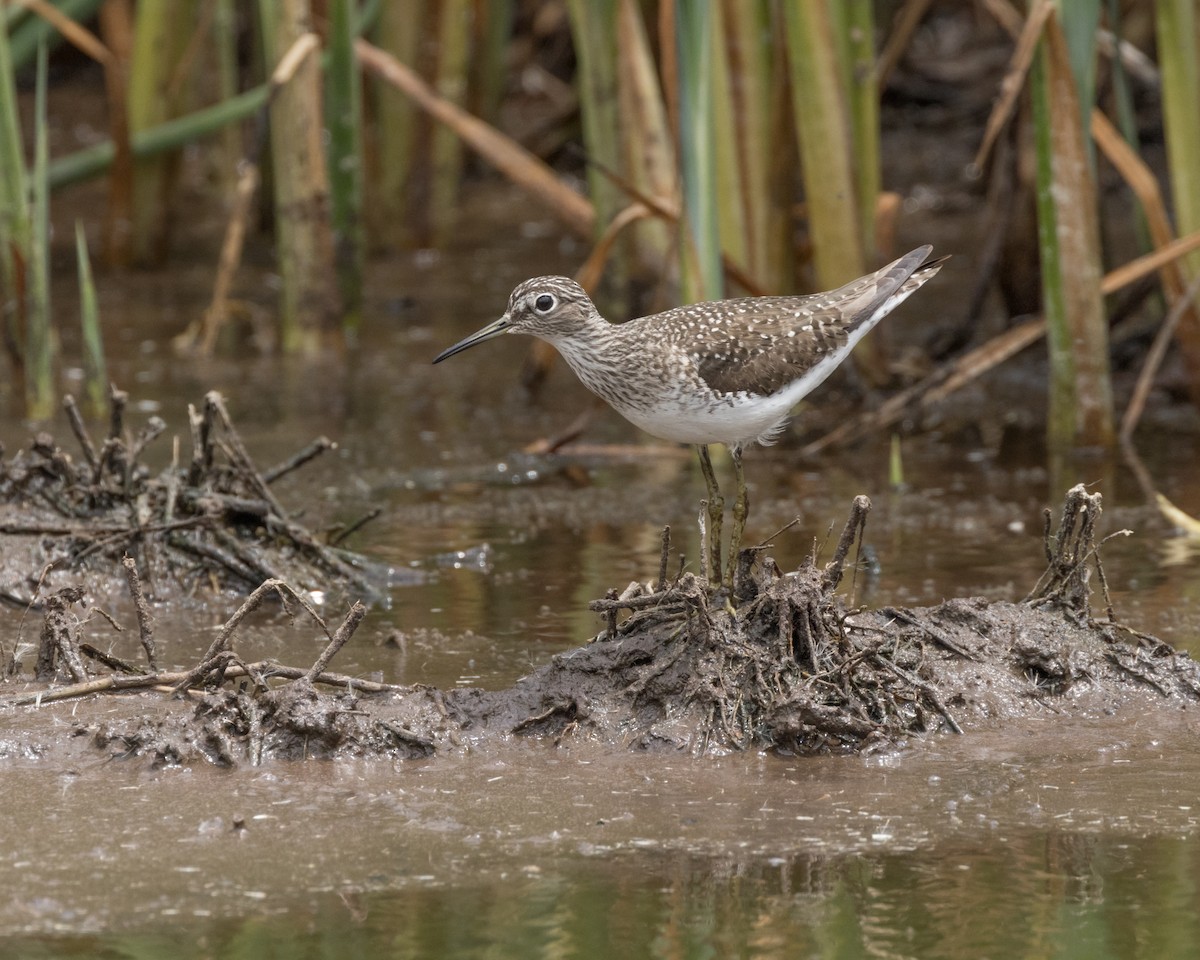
(544,303)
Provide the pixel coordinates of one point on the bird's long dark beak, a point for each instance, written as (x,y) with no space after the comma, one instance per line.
(493,329)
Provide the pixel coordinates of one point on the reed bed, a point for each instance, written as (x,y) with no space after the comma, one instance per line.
(728,148)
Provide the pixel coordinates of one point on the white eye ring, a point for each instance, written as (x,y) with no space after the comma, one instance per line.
(545,303)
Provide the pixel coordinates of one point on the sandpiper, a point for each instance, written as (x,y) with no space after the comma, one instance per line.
(725,371)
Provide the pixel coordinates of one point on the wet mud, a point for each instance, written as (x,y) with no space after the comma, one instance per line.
(782,664)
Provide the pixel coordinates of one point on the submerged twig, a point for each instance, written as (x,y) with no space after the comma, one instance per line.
(354,527)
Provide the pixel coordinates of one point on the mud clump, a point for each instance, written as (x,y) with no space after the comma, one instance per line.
(212,520)
(292,722)
(788,668)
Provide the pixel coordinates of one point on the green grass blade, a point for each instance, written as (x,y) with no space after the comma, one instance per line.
(1178,26)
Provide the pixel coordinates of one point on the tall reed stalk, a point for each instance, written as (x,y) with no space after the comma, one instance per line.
(225,58)
(701,273)
(826,139)
(836,167)
(116,26)
(446,155)
(753,199)
(395,129)
(594,31)
(39,338)
(854,26)
(304,243)
(95,371)
(648,156)
(1178,29)
(15,228)
(343,111)
(1080,403)
(161,31)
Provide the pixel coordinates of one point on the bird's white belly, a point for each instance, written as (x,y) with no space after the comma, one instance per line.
(733,419)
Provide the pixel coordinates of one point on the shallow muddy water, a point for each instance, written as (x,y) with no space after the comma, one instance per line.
(1056,839)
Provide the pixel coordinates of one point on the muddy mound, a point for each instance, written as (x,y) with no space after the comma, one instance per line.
(784,665)
(212,520)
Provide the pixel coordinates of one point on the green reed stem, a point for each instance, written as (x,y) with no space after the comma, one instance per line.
(1080,19)
(303,239)
(95,371)
(1179,60)
(396,122)
(39,383)
(14,200)
(1080,403)
(343,106)
(450,80)
(593,30)
(702,274)
(744,107)
(177,132)
(826,141)
(855,25)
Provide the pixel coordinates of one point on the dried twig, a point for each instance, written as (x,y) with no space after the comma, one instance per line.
(79,428)
(855,524)
(145,620)
(338,640)
(298,459)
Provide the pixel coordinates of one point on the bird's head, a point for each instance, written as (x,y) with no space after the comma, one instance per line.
(553,308)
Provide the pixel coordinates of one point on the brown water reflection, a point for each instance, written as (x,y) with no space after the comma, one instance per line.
(991,845)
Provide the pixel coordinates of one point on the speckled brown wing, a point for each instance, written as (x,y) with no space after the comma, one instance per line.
(778,339)
(778,353)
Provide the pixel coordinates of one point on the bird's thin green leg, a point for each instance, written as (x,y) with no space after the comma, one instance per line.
(741,509)
(716,508)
